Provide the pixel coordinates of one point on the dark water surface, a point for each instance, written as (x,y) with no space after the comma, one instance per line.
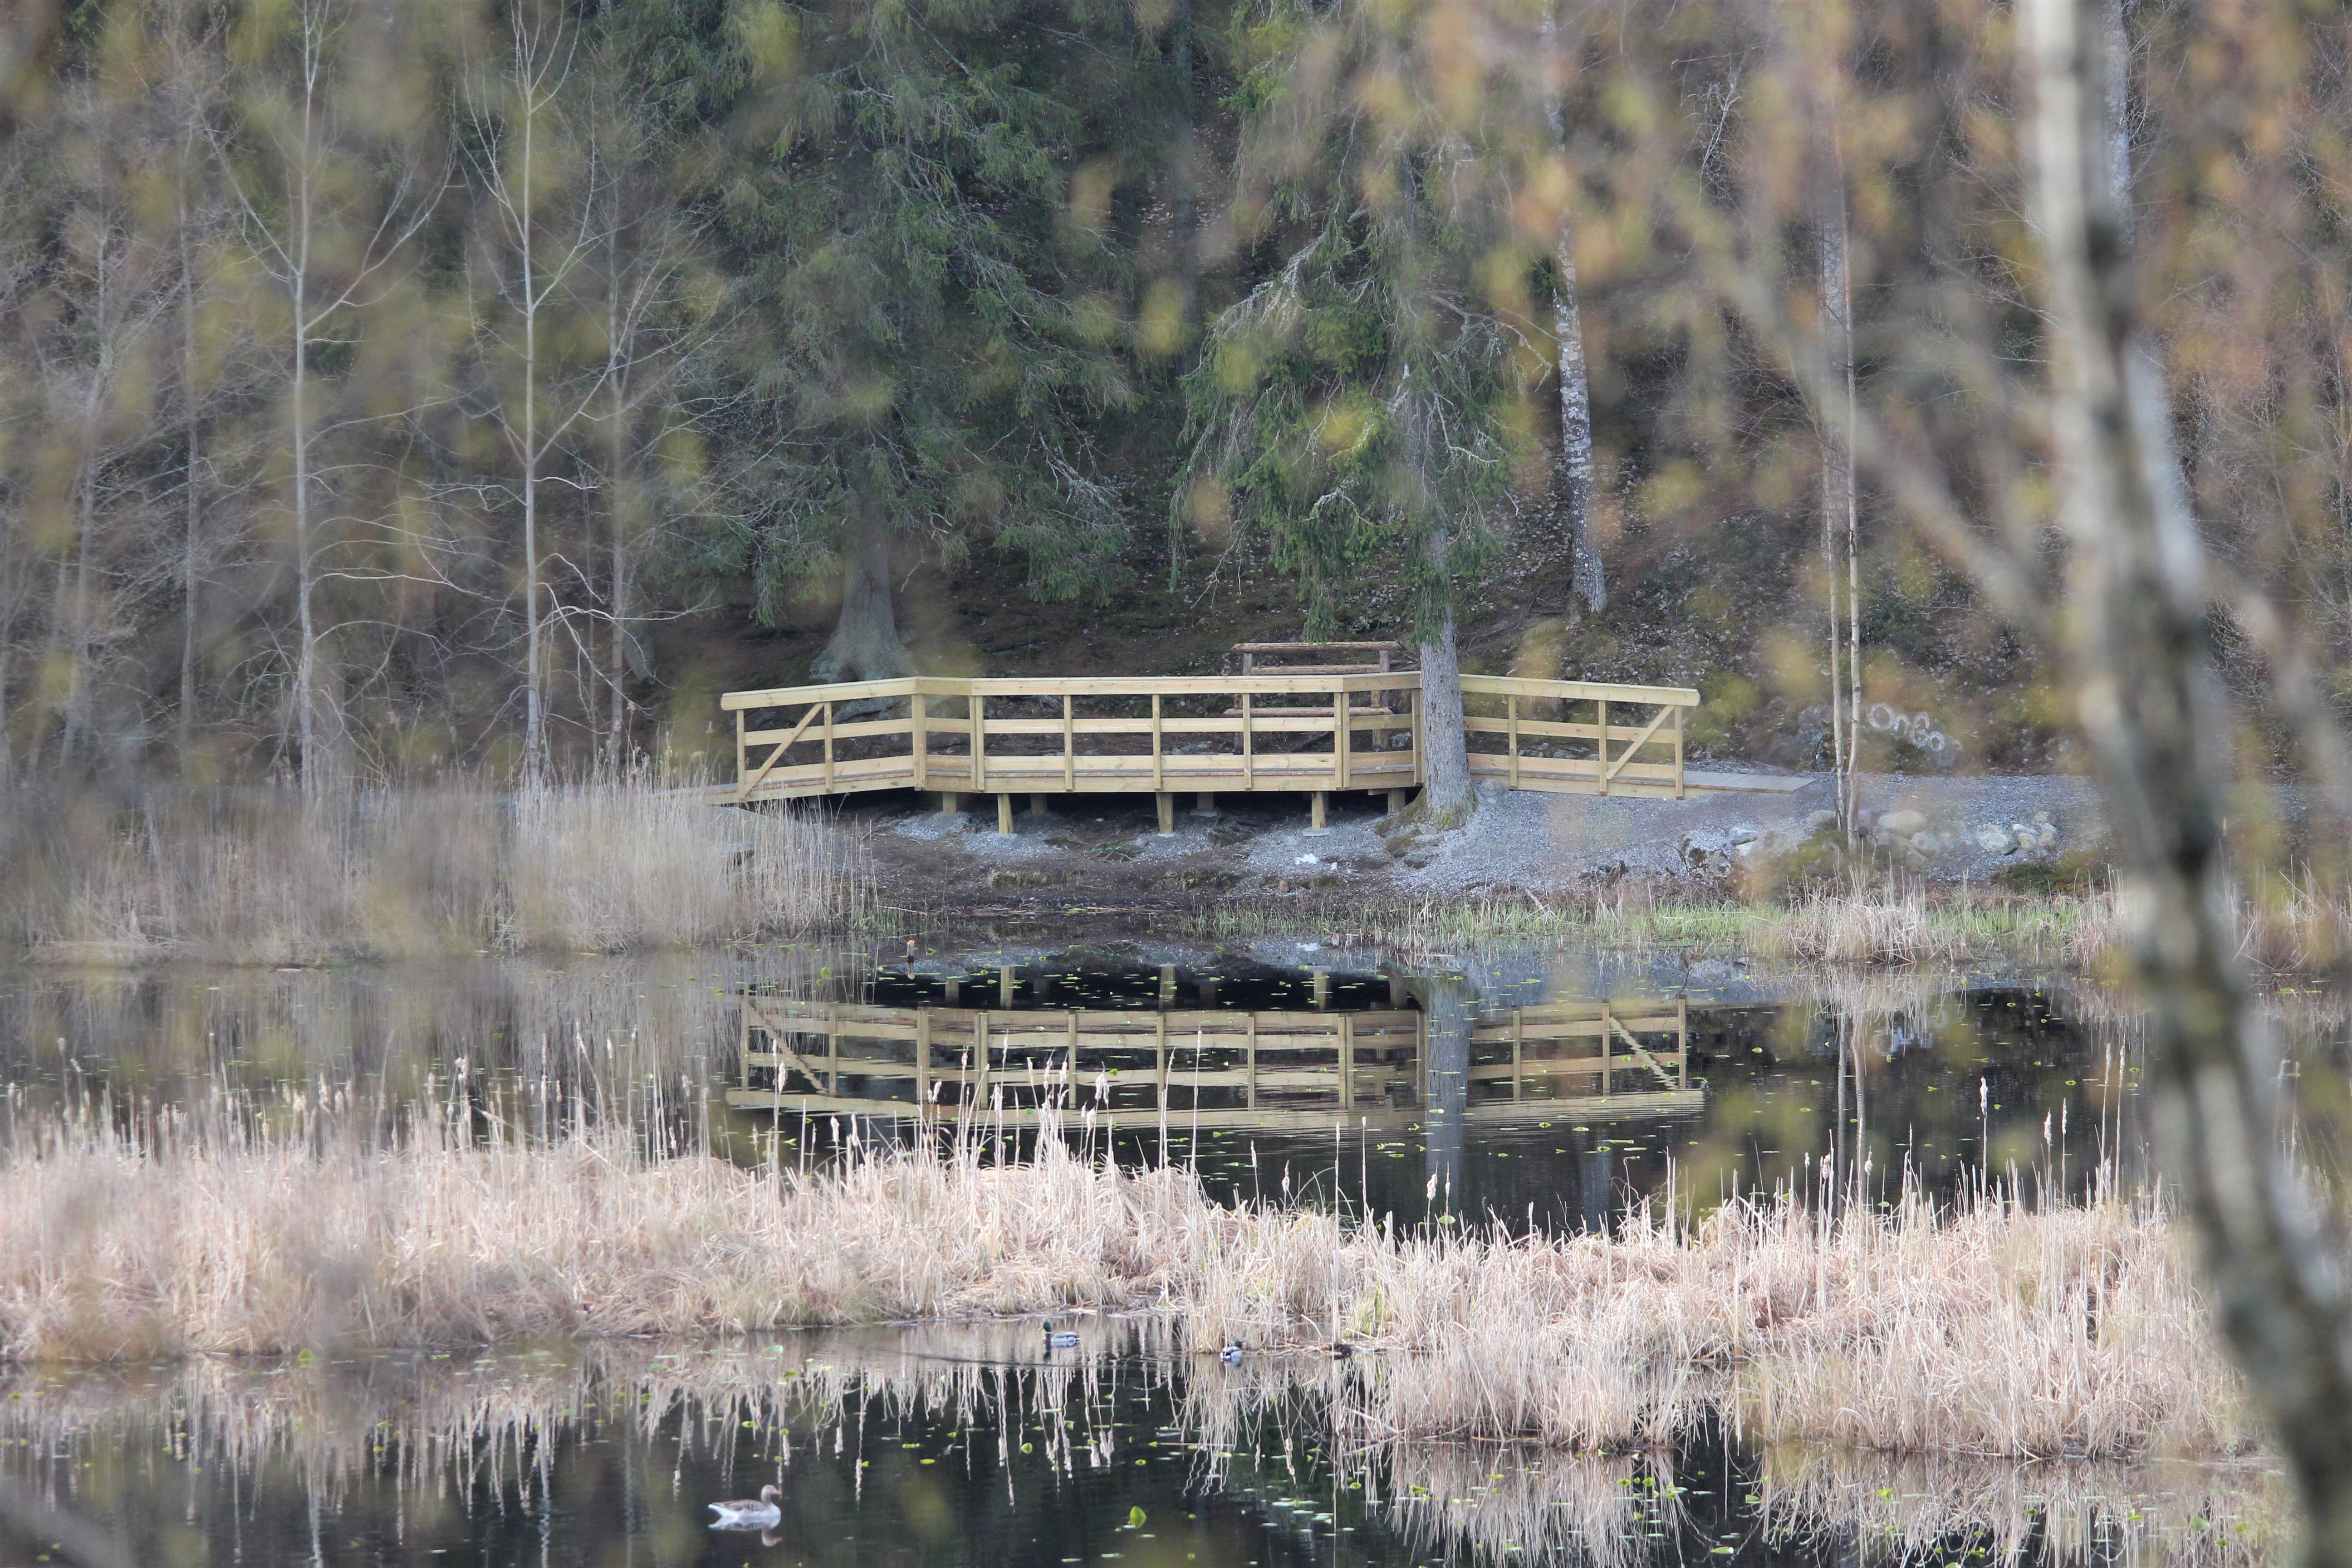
(1794,1080)
(943,1445)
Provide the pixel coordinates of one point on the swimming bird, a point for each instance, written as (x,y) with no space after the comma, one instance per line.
(747,1513)
(1230,1355)
(1342,1349)
(1060,1339)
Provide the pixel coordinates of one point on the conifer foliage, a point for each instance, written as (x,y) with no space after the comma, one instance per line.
(929,342)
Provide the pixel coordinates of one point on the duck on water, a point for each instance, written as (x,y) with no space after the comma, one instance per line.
(749,1513)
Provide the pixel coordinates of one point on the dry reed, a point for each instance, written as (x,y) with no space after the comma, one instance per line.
(273,876)
(2001,1330)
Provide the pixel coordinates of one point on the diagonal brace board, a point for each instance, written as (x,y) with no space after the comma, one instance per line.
(777,1036)
(1640,741)
(778,755)
(1647,1060)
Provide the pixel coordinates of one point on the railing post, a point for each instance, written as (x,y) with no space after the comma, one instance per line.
(979,714)
(1604,1050)
(1249,744)
(1511,708)
(919,738)
(743,762)
(1603,703)
(922,1054)
(1069,748)
(1252,1076)
(1159,761)
(1678,751)
(828,748)
(1339,739)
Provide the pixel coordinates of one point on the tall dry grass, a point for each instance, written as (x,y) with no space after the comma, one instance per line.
(1999,1330)
(274,876)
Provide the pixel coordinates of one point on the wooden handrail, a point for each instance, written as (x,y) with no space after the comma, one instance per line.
(1264,719)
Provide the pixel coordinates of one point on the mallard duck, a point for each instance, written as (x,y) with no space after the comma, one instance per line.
(1230,1355)
(1060,1339)
(748,1513)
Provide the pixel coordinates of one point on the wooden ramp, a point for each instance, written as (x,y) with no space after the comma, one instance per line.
(1136,1067)
(1295,731)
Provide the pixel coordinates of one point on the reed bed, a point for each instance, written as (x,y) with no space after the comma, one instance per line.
(274,876)
(1999,1330)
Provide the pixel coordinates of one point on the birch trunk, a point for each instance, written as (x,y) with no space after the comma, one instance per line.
(2150,704)
(1572,458)
(1838,509)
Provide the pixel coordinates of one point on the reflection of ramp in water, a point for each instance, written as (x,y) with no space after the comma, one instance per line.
(1208,1068)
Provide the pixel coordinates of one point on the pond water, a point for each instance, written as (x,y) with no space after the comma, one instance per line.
(975,1445)
(1546,1089)
(1724,1083)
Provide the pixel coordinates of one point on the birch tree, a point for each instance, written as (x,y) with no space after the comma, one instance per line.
(537,180)
(1572,451)
(329,200)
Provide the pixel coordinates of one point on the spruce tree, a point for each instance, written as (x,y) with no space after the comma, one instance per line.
(928,330)
(1356,409)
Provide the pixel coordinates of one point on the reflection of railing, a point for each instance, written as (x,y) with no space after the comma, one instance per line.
(1208,1068)
(1264,730)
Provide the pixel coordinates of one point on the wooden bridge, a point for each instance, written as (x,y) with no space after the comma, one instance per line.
(1208,1068)
(1296,729)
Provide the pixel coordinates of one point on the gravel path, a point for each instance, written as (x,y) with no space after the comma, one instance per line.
(1945,827)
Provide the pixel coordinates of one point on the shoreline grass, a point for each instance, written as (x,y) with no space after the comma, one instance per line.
(1996,1330)
(271,877)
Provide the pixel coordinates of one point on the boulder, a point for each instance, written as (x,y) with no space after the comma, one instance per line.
(1994,839)
(1903,823)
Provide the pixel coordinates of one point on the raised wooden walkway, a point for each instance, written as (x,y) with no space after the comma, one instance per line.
(1210,1068)
(1291,731)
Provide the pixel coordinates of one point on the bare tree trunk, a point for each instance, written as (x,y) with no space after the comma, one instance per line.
(2154,712)
(303,217)
(1838,492)
(1572,461)
(191,436)
(1445,793)
(865,645)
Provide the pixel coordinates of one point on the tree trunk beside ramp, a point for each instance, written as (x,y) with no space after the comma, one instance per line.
(865,645)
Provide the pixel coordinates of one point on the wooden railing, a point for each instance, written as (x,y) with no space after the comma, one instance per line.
(1298,732)
(1214,1068)
(1540,751)
(1208,733)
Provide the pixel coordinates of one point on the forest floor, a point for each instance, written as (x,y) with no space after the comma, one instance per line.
(1102,854)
